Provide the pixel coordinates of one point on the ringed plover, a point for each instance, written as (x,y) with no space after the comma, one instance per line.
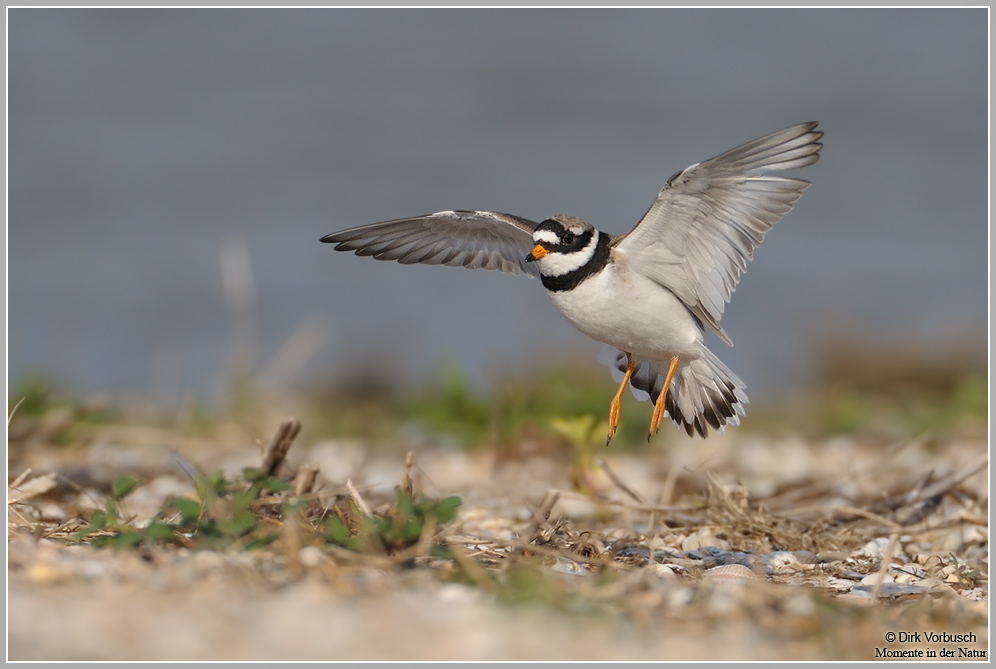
(647,294)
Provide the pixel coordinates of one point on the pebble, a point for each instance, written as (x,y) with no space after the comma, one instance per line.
(45,574)
(909,570)
(667,572)
(642,552)
(875,548)
(704,538)
(950,543)
(872,579)
(931,583)
(889,590)
(781,562)
(311,556)
(565,566)
(929,561)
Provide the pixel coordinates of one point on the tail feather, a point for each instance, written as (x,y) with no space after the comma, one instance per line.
(704,393)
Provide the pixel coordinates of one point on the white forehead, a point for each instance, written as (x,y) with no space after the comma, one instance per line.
(558,263)
(548,236)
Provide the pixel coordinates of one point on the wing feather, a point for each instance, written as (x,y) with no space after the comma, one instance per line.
(472,239)
(701,231)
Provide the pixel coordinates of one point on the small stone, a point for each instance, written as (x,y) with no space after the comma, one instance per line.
(872,579)
(782,562)
(565,566)
(859,598)
(929,561)
(667,572)
(44,574)
(702,539)
(906,577)
(976,535)
(310,556)
(875,548)
(950,543)
(931,583)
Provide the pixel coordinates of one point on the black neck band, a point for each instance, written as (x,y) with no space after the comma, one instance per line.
(573,278)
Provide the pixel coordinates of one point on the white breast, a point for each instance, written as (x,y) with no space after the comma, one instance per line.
(631,312)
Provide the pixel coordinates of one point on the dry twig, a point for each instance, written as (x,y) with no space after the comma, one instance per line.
(304,480)
(541,516)
(279,445)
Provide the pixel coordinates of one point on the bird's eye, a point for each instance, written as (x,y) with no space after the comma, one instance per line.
(567,238)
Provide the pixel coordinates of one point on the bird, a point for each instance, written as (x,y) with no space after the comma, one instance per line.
(649,294)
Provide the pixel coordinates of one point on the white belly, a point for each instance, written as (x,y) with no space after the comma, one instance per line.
(632,313)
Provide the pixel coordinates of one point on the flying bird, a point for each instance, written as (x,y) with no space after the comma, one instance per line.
(648,294)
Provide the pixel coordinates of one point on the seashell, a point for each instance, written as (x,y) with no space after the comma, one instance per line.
(730,573)
(805,557)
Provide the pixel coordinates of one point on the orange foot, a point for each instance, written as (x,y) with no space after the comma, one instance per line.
(658,418)
(616,403)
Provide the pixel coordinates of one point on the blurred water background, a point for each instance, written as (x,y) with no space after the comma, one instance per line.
(141,143)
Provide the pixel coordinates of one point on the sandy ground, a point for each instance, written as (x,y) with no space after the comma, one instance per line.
(741,547)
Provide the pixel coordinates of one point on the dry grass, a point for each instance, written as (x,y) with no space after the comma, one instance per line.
(740,547)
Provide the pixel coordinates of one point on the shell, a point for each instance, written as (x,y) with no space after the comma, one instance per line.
(730,573)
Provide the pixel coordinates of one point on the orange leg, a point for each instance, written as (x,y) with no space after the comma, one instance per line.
(617,400)
(655,422)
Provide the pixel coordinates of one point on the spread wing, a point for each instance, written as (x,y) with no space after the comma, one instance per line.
(699,234)
(473,239)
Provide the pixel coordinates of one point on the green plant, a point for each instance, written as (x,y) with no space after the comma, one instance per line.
(236,514)
(226,514)
(537,398)
(403,526)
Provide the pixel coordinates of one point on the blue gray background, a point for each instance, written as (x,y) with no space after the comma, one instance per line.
(141,140)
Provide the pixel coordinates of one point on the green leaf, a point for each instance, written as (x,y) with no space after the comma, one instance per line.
(241,501)
(253,474)
(238,525)
(98,520)
(128,539)
(293,507)
(210,487)
(441,551)
(160,531)
(403,505)
(262,542)
(335,531)
(446,509)
(275,485)
(111,509)
(188,509)
(122,486)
